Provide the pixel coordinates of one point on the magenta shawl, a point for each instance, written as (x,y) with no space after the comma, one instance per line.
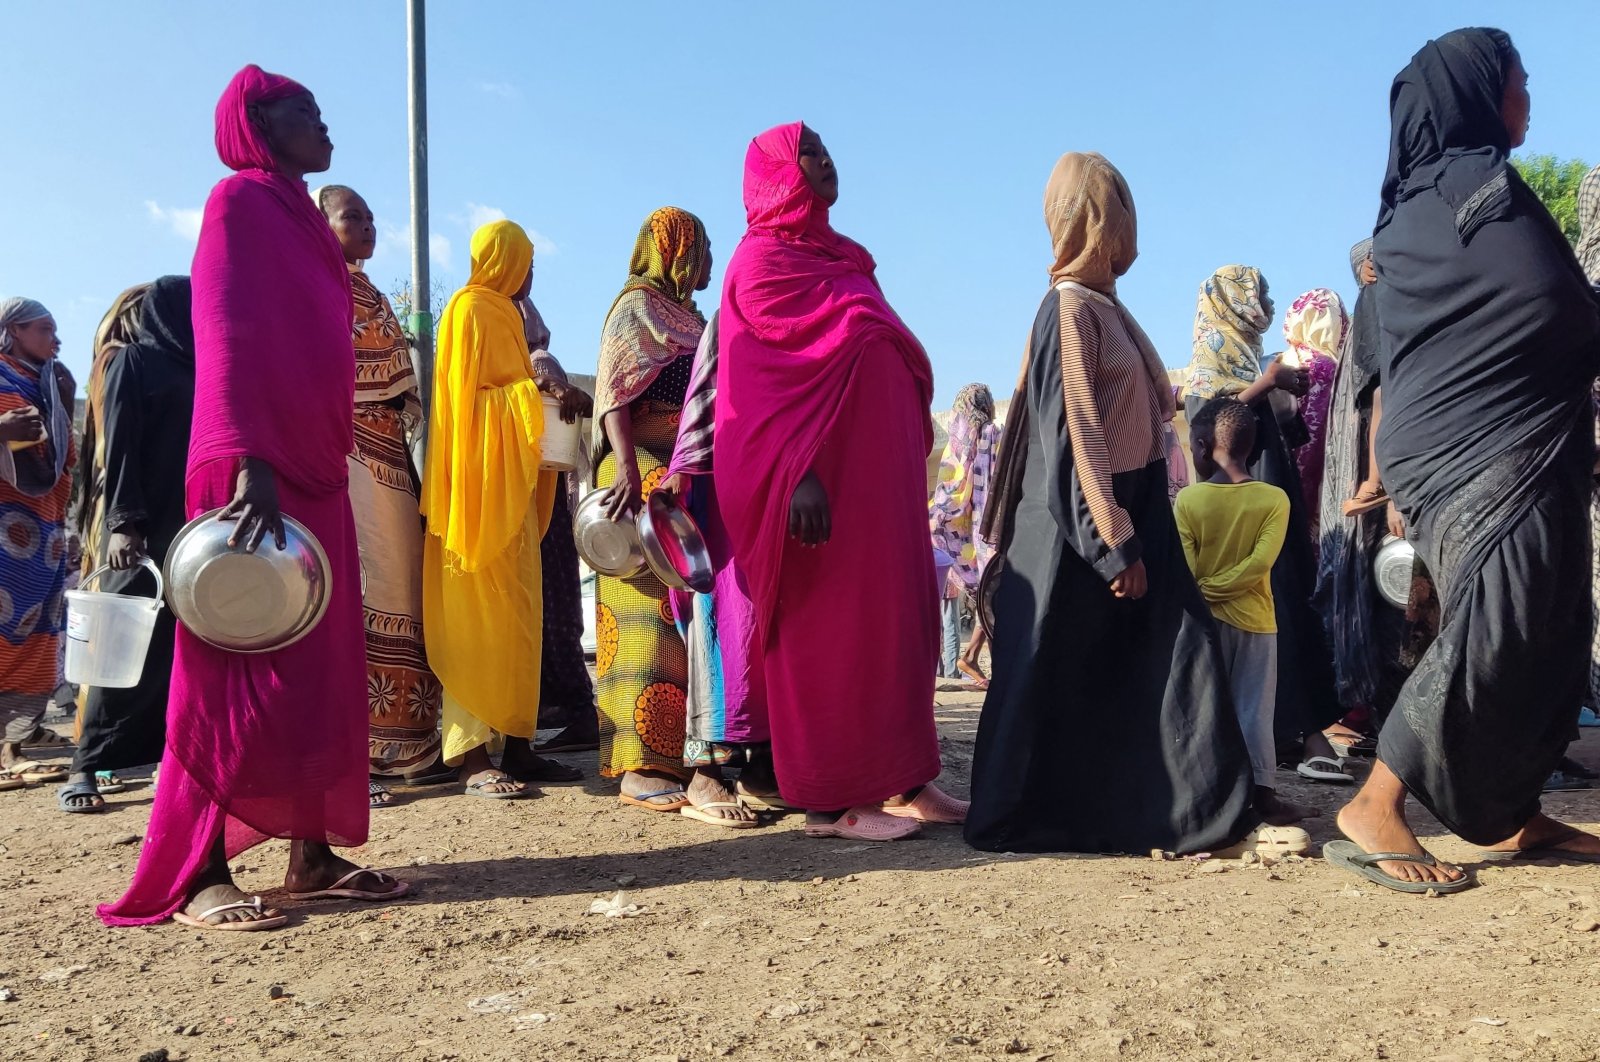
(275,368)
(800,305)
(271,744)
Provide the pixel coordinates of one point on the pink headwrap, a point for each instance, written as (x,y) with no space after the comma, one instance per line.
(273,314)
(240,144)
(800,308)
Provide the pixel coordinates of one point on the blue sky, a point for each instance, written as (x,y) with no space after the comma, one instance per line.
(1248,134)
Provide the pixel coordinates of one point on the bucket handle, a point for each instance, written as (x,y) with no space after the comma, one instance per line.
(161,586)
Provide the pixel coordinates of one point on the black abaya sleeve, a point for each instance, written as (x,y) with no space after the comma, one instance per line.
(124,443)
(1068,502)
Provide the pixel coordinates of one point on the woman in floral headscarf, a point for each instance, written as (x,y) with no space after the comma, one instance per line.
(1233,314)
(646,358)
(1314,328)
(954,516)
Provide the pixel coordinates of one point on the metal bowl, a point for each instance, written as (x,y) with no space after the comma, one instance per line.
(673,545)
(609,547)
(247,602)
(1391,570)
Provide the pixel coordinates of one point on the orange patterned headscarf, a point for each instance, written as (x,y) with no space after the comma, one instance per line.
(668,255)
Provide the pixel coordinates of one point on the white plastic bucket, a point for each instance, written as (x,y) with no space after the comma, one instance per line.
(558,447)
(108,635)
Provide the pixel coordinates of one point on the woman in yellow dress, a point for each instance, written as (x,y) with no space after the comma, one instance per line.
(487,506)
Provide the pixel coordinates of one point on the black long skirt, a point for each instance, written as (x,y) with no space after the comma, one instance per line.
(124,728)
(1109,726)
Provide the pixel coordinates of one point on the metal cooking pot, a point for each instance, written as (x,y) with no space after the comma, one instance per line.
(609,547)
(1391,570)
(247,602)
(673,545)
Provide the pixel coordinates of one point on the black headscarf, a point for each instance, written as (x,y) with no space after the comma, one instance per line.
(165,325)
(1490,333)
(1446,129)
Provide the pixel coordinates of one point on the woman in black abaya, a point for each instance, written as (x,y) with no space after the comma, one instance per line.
(1491,340)
(1108,726)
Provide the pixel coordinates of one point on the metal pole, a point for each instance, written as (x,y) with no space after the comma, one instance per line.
(421,287)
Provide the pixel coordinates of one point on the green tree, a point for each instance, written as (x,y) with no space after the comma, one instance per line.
(1555,181)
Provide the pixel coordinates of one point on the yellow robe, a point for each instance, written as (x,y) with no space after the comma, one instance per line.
(487,505)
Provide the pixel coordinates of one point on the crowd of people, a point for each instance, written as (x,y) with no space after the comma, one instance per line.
(1194,635)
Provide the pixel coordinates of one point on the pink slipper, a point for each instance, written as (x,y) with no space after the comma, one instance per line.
(865,824)
(931,805)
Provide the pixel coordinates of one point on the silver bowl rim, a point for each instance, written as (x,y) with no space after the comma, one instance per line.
(587,502)
(306,627)
(700,582)
(1389,544)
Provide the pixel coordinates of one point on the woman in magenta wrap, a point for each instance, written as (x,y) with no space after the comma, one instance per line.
(822,439)
(271,745)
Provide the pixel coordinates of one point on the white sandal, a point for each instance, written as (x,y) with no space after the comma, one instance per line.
(251,926)
(1324,769)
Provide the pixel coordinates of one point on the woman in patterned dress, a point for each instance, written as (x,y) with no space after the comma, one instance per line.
(646,357)
(403,696)
(953,518)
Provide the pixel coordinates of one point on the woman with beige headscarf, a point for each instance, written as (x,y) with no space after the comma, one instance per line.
(1108,726)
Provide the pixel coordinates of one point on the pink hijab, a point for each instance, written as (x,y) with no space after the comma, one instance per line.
(274,361)
(800,307)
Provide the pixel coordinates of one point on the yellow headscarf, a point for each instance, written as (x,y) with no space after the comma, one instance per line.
(1232,315)
(668,254)
(483,441)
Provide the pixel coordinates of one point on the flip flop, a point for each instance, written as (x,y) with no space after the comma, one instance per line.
(45,738)
(931,805)
(544,770)
(1359,506)
(1324,769)
(562,743)
(337,891)
(865,824)
(35,774)
(1268,840)
(108,783)
(1347,855)
(79,789)
(480,788)
(702,813)
(431,776)
(254,926)
(1347,745)
(1548,850)
(378,796)
(644,801)
(8,782)
(773,805)
(1588,717)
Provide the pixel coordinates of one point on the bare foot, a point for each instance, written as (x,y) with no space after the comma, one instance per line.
(1377,826)
(221,894)
(1276,811)
(708,787)
(1544,834)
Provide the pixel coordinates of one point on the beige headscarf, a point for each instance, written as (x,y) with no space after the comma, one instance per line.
(1094,234)
(1094,231)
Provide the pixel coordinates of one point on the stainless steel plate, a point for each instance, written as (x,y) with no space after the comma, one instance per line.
(673,545)
(247,602)
(608,547)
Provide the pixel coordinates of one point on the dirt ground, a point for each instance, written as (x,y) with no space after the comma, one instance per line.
(765,945)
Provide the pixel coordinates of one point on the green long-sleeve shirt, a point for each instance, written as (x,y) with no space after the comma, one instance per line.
(1232,534)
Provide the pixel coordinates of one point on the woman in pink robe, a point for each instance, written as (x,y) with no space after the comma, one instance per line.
(822,439)
(272,745)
